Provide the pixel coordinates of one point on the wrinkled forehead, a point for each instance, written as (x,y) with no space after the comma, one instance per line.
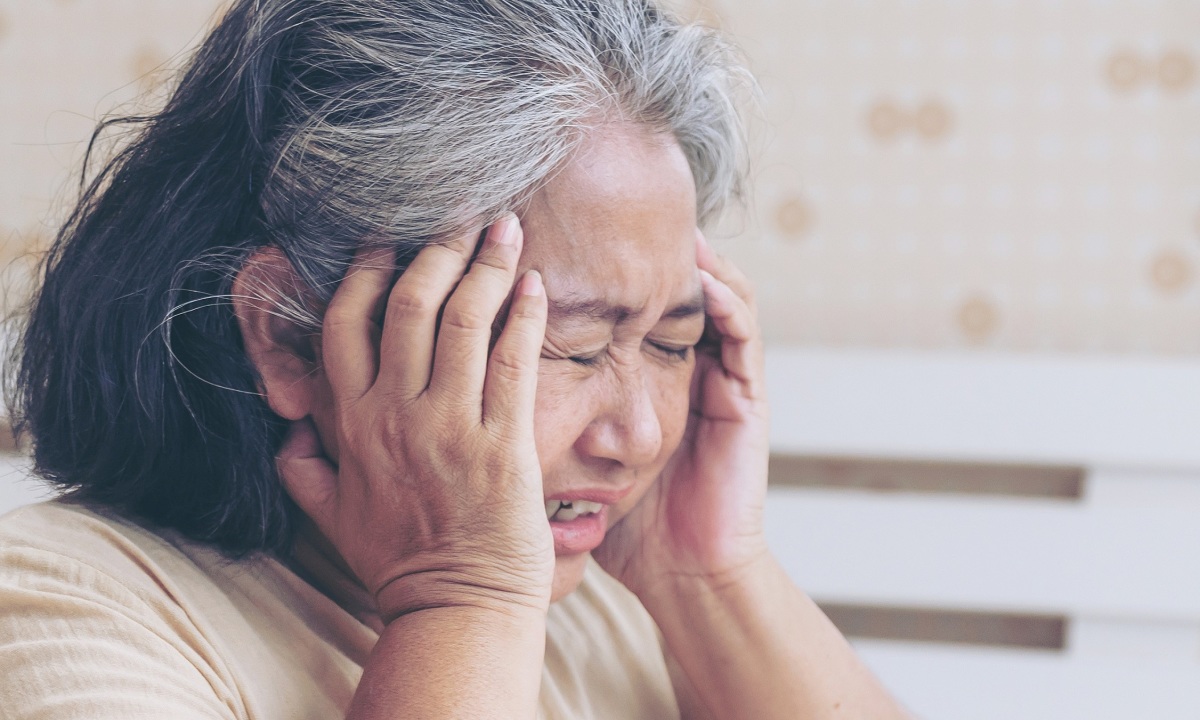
(618,222)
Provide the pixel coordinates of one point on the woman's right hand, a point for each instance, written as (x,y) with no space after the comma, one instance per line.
(429,485)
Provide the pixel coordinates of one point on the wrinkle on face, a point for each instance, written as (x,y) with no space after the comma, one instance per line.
(613,235)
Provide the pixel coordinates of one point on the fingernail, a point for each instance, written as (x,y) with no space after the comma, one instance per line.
(531,284)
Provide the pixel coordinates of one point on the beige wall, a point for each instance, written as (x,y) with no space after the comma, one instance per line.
(1009,174)
(932,174)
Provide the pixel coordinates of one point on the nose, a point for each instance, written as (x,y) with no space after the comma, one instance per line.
(625,428)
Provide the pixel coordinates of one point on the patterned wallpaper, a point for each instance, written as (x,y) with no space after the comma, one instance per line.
(999,174)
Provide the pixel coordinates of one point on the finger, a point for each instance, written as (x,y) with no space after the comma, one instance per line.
(461,358)
(511,383)
(741,346)
(725,271)
(350,330)
(410,323)
(307,476)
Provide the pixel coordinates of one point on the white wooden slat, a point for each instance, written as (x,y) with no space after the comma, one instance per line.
(1129,488)
(1081,410)
(993,554)
(942,682)
(1089,637)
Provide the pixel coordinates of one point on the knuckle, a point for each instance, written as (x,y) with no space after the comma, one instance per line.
(454,251)
(339,316)
(520,340)
(494,261)
(410,302)
(526,313)
(508,365)
(464,244)
(464,314)
(526,324)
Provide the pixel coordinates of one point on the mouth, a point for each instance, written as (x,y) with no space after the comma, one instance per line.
(568,510)
(578,525)
(579,517)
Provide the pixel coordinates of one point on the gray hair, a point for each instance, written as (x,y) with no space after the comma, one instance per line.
(409,121)
(318,126)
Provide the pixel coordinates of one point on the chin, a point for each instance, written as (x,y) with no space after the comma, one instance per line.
(568,573)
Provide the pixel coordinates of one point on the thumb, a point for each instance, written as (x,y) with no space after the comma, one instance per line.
(307,475)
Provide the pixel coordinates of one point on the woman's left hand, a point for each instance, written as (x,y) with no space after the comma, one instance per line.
(703,519)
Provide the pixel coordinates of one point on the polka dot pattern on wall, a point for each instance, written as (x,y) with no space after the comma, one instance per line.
(1171,271)
(885,120)
(1014,176)
(794,218)
(978,319)
(1126,70)
(1173,71)
(22,246)
(932,120)
(1176,70)
(149,67)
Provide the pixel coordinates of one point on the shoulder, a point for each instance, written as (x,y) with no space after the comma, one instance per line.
(73,529)
(88,549)
(81,545)
(91,620)
(112,619)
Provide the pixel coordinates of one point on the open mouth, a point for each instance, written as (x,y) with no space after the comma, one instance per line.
(567,510)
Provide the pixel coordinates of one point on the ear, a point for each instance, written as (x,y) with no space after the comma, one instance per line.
(281,350)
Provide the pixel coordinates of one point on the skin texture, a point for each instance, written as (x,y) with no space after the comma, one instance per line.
(629,362)
(615,231)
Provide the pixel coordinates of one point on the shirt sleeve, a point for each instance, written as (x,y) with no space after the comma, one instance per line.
(76,643)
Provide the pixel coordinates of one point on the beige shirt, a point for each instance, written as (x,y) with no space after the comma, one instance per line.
(103,619)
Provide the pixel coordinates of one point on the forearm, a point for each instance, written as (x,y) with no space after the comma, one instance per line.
(756,646)
(455,662)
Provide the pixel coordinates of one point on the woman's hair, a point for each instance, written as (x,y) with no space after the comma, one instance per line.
(315,126)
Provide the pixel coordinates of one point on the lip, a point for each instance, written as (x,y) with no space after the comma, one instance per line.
(597,495)
(581,535)
(586,532)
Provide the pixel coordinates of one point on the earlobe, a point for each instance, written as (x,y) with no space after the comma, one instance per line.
(280,349)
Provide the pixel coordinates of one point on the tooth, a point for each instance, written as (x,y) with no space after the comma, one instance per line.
(587,508)
(566,513)
(552,507)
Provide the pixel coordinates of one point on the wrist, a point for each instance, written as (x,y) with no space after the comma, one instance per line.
(450,589)
(732,582)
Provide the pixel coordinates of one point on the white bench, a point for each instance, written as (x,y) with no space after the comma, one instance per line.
(1121,564)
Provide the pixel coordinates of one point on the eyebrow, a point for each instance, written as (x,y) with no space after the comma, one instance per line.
(598,310)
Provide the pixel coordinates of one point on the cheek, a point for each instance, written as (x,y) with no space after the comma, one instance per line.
(672,393)
(559,413)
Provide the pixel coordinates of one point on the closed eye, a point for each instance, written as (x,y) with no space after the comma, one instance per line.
(587,360)
(673,353)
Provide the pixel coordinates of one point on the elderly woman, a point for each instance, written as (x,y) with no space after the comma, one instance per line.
(355,356)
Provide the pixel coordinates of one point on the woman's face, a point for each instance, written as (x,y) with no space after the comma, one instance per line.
(613,236)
